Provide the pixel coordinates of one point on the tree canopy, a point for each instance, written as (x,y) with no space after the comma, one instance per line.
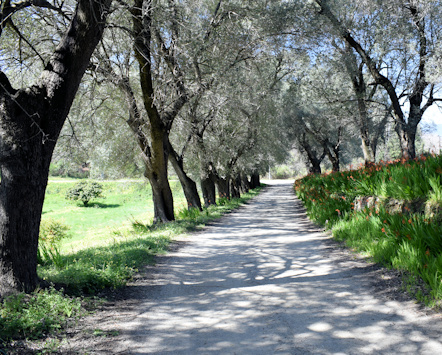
(216,90)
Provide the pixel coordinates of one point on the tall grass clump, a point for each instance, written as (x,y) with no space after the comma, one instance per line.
(52,232)
(400,228)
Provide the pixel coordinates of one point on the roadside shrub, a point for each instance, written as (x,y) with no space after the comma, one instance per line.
(85,191)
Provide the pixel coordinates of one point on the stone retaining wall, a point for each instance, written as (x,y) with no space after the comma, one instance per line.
(392,206)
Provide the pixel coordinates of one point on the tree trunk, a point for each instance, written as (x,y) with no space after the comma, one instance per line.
(312,161)
(255,180)
(407,132)
(235,185)
(334,159)
(334,152)
(245,184)
(223,186)
(209,192)
(156,171)
(30,124)
(156,155)
(23,182)
(356,74)
(189,186)
(162,198)
(364,135)
(406,129)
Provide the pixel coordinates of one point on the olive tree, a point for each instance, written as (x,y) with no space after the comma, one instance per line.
(31,118)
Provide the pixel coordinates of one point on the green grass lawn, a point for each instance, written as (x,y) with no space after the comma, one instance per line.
(125,201)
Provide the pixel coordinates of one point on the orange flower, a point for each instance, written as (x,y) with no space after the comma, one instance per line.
(409,221)
(427,253)
(383,230)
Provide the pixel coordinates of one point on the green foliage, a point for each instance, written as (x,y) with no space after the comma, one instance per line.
(85,191)
(31,316)
(51,234)
(407,241)
(282,172)
(436,189)
(62,168)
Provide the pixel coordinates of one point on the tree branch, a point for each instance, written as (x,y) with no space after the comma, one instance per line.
(23,38)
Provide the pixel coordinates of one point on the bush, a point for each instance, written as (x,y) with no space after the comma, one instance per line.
(85,191)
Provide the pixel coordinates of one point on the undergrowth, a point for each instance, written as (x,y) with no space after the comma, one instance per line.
(406,240)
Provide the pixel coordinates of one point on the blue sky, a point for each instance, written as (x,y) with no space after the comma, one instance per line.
(434,115)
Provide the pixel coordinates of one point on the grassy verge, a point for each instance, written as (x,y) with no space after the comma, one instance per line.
(108,262)
(124,202)
(401,238)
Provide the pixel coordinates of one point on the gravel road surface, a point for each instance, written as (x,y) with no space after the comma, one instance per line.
(265,280)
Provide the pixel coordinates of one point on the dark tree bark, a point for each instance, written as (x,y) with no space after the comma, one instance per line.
(255,180)
(235,187)
(208,190)
(311,159)
(155,145)
(223,186)
(356,74)
(30,124)
(245,183)
(188,185)
(333,150)
(155,161)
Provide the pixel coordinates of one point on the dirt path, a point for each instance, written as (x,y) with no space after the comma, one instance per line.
(263,280)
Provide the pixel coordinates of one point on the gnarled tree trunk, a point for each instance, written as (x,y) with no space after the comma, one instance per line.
(30,124)
(223,185)
(255,180)
(209,191)
(156,155)
(189,186)
(245,184)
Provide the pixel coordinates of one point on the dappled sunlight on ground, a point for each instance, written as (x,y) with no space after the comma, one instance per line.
(263,281)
